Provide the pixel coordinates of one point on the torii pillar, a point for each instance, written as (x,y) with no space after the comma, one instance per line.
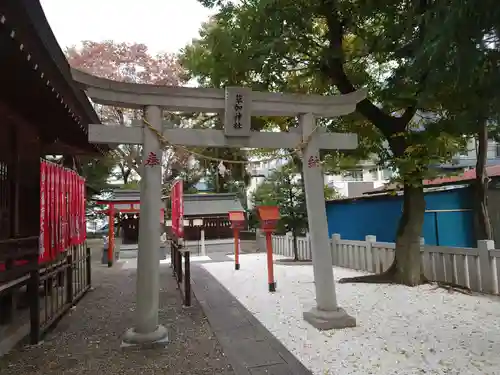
(327,314)
(146,329)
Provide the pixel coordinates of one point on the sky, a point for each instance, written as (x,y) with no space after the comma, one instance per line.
(163,25)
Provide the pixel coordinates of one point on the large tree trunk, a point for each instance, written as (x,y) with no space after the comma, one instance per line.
(406,268)
(482,218)
(126,175)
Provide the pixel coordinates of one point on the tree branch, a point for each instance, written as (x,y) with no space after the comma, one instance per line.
(131,163)
(334,70)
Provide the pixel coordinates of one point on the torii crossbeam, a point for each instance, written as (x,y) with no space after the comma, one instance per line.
(237,104)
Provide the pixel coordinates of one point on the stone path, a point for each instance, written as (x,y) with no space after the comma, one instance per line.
(249,346)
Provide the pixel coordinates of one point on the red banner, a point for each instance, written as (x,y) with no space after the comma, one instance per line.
(52,205)
(62,210)
(80,211)
(72,205)
(177,205)
(80,204)
(64,217)
(57,208)
(84,211)
(43,249)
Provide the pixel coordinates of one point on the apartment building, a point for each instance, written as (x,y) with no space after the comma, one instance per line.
(365,177)
(468,158)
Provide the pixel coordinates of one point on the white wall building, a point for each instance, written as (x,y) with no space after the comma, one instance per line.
(468,158)
(365,177)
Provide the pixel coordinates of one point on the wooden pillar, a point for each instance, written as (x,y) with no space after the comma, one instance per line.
(15,186)
(7,304)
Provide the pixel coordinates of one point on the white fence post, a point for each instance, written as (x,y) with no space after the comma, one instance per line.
(336,258)
(288,244)
(307,250)
(485,269)
(261,240)
(372,254)
(202,243)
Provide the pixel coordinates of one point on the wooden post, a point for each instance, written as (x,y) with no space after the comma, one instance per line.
(172,255)
(111,239)
(69,279)
(187,279)
(179,265)
(89,267)
(34,302)
(236,249)
(270,265)
(7,300)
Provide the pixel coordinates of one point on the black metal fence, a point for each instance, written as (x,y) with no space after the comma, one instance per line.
(49,290)
(181,274)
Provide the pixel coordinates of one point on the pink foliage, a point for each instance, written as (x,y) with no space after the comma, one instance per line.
(126,62)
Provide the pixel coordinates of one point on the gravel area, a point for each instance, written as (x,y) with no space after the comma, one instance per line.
(87,340)
(400,330)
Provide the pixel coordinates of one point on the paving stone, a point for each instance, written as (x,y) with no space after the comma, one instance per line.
(251,353)
(249,346)
(277,369)
(245,331)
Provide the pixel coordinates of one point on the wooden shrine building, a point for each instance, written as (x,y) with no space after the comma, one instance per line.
(42,112)
(209,212)
(123,208)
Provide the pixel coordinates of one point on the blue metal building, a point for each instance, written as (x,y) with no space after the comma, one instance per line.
(448,217)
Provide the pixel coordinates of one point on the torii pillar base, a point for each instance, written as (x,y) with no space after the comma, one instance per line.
(326,320)
(159,337)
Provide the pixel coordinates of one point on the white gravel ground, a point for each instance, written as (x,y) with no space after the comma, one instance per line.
(400,330)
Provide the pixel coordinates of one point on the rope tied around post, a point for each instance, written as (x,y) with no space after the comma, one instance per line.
(165,143)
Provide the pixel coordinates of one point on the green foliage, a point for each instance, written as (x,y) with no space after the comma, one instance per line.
(461,68)
(326,47)
(284,188)
(415,117)
(96,172)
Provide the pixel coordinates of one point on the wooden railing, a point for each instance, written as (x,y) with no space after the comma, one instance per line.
(181,272)
(51,288)
(17,257)
(475,268)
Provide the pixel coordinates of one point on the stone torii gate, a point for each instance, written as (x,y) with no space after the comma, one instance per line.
(238,105)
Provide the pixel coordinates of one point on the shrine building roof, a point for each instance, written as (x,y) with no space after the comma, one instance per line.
(37,81)
(211,204)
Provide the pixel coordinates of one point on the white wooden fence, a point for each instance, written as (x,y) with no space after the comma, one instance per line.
(283,245)
(474,268)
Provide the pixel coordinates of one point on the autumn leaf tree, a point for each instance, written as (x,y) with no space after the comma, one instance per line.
(130,62)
